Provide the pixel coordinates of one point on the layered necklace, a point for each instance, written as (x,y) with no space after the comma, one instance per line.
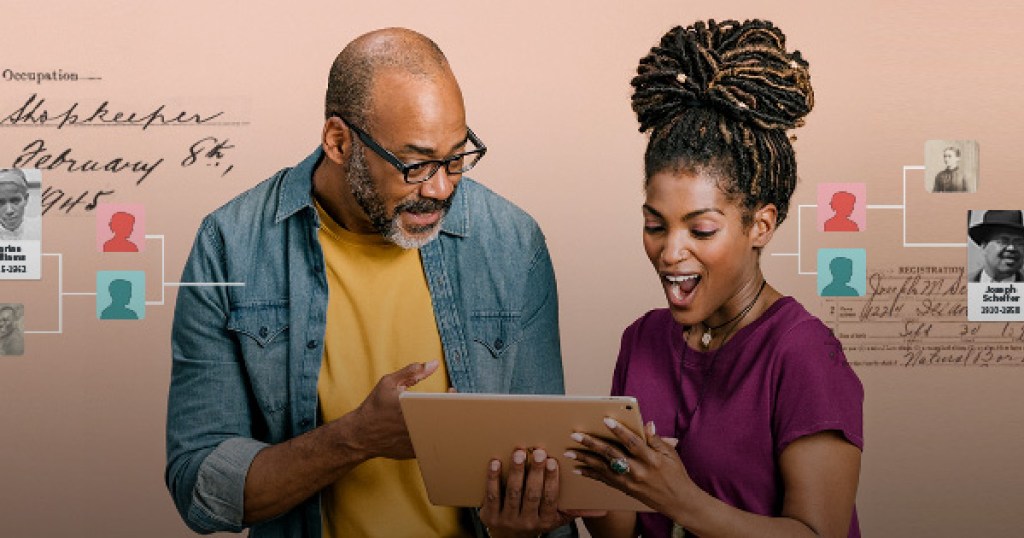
(677,530)
(705,339)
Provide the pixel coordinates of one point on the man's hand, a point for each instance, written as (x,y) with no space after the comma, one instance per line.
(378,420)
(283,475)
(527,506)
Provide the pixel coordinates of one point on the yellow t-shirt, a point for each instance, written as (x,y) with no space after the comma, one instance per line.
(379,319)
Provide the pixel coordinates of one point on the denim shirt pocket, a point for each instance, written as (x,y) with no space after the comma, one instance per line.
(261,329)
(497,331)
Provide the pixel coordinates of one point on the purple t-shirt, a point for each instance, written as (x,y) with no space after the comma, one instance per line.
(779,378)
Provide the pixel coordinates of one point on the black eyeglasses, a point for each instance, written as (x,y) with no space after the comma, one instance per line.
(421,171)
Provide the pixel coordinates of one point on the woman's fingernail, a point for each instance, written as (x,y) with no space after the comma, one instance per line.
(650,428)
(495,465)
(577,471)
(577,436)
(551,464)
(539,455)
(518,457)
(570,454)
(611,422)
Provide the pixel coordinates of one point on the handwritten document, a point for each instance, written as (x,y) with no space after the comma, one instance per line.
(916,316)
(48,145)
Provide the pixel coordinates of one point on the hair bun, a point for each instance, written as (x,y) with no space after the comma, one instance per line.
(739,69)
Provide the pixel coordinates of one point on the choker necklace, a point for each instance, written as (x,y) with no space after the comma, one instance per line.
(705,339)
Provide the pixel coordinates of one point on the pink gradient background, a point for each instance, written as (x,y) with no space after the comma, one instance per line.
(547,88)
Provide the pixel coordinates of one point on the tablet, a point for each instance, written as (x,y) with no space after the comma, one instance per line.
(456,435)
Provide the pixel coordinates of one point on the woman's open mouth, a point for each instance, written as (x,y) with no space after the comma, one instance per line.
(680,288)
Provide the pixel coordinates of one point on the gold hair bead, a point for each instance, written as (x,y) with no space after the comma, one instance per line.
(681,77)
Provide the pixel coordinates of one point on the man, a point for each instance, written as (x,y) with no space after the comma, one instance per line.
(13,199)
(12,342)
(370,254)
(1000,234)
(952,179)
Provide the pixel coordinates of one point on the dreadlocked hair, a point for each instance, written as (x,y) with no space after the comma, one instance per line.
(720,97)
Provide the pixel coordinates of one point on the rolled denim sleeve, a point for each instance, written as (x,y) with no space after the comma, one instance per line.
(209,412)
(539,369)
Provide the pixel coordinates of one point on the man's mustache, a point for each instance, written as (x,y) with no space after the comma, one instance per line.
(424,205)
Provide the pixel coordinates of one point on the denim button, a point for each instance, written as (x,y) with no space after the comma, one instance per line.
(311,344)
(263,332)
(499,343)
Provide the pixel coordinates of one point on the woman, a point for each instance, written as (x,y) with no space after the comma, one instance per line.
(756,390)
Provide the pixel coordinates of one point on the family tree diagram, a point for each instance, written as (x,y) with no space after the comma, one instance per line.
(916,313)
(119,295)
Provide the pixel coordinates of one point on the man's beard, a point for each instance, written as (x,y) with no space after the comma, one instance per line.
(372,203)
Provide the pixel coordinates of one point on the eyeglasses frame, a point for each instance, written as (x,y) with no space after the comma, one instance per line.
(404,168)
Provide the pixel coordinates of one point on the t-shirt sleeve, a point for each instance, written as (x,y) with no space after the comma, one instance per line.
(816,389)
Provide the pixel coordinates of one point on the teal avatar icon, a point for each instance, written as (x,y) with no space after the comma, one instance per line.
(842,271)
(120,295)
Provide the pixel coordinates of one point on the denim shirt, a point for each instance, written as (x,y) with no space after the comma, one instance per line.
(246,358)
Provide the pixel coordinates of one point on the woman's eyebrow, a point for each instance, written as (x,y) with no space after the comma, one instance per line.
(692,214)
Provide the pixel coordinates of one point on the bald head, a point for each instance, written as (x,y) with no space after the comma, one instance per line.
(350,82)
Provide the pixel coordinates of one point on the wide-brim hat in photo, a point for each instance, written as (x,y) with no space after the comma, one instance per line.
(996,218)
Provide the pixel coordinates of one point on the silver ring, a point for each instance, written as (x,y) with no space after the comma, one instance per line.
(619,466)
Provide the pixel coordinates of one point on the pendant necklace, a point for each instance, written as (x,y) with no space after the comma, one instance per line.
(705,340)
(677,530)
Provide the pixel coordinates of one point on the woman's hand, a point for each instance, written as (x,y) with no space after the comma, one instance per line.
(820,473)
(649,471)
(528,504)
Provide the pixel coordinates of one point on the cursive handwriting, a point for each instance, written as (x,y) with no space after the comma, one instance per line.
(66,202)
(916,316)
(35,112)
(37,155)
(209,150)
(942,295)
(948,355)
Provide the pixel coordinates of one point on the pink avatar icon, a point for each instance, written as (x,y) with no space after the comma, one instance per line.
(122,224)
(842,204)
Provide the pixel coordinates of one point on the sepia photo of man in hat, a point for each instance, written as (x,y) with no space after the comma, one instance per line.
(1000,235)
